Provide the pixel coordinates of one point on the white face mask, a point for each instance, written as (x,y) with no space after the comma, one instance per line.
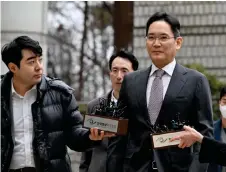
(223,110)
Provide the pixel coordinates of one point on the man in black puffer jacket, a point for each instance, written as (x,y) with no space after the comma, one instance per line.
(39,115)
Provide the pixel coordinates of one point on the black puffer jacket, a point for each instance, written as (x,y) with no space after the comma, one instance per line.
(57,124)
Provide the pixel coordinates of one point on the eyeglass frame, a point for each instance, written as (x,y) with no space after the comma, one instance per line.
(158,37)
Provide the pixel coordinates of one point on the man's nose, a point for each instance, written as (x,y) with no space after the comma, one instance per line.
(38,65)
(156,43)
(119,75)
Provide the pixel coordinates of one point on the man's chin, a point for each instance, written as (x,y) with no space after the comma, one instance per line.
(159,57)
(36,81)
(118,88)
(158,61)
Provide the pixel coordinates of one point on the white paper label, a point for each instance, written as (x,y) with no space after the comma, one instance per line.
(104,124)
(163,140)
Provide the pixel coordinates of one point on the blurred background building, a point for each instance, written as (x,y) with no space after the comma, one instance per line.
(203,27)
(79,37)
(24,18)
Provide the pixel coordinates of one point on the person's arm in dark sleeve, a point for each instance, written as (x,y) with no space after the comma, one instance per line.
(212,151)
(86,157)
(76,137)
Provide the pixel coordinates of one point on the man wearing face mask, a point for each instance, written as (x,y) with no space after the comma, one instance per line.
(220,129)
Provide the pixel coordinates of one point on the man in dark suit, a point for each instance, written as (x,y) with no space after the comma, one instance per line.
(156,96)
(120,64)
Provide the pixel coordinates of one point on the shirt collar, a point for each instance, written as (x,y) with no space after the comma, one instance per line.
(14,91)
(12,87)
(169,68)
(113,97)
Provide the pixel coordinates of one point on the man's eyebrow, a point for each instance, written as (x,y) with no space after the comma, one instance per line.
(33,57)
(124,68)
(158,34)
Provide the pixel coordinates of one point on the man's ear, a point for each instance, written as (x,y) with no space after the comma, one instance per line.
(179,42)
(12,67)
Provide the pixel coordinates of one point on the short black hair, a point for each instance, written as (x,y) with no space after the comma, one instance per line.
(12,52)
(126,55)
(222,92)
(170,19)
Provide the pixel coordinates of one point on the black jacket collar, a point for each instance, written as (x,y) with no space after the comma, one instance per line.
(6,86)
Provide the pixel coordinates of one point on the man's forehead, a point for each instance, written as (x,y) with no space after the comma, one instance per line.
(158,33)
(27,52)
(121,63)
(121,60)
(159,27)
(224,97)
(120,67)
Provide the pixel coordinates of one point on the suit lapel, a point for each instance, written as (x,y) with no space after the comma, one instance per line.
(176,84)
(108,96)
(141,92)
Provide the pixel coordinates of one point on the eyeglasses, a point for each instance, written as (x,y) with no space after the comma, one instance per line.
(162,38)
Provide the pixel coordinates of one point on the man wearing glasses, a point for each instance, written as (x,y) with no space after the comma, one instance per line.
(156,96)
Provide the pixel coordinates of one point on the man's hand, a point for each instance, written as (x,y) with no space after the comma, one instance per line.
(96,135)
(188,137)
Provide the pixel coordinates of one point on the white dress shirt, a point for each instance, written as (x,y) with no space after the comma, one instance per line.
(165,78)
(22,129)
(113,99)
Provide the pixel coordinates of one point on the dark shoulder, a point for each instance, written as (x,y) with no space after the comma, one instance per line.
(192,72)
(217,123)
(93,102)
(97,101)
(59,85)
(135,74)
